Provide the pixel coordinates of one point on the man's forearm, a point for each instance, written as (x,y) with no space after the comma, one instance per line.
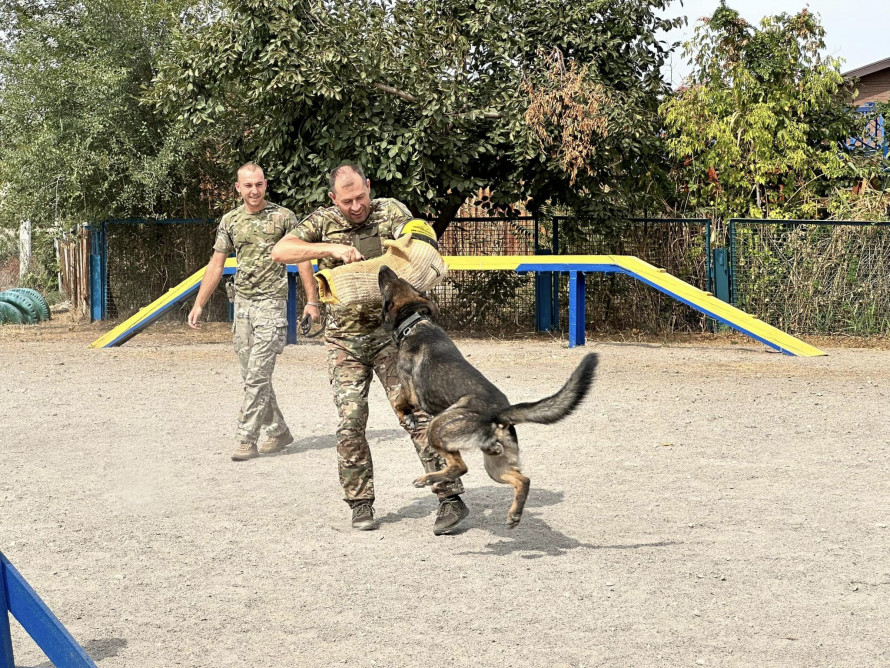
(310,287)
(210,280)
(291,250)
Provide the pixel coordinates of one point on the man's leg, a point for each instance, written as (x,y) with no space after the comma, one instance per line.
(451,508)
(350,380)
(260,339)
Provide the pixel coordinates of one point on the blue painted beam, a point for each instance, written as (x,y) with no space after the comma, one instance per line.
(38,620)
(6,658)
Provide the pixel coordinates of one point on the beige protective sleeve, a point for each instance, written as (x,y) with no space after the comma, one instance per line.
(416,261)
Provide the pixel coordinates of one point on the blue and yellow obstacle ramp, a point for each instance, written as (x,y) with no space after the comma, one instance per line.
(576,266)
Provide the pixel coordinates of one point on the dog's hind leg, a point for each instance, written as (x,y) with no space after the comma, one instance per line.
(454,469)
(520,486)
(504,468)
(441,428)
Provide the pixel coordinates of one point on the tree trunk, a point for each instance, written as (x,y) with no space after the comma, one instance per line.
(447,213)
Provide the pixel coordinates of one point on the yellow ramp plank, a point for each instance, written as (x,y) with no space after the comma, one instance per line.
(146,312)
(718,307)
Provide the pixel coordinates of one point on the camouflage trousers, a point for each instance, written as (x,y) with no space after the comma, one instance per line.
(351,363)
(260,335)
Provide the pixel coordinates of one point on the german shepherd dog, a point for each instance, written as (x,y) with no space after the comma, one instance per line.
(468,410)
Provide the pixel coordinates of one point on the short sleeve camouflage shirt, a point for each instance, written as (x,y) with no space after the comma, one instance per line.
(328,225)
(251,237)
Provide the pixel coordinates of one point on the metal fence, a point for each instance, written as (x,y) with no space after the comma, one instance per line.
(616,302)
(813,277)
(489,302)
(139,260)
(502,302)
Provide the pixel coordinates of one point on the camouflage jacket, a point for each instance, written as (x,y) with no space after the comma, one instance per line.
(251,237)
(328,225)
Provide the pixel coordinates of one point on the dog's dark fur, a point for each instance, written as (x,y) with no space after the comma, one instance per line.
(469,411)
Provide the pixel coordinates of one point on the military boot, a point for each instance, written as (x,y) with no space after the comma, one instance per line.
(245,451)
(363,517)
(276,444)
(452,510)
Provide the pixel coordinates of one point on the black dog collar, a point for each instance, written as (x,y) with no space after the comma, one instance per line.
(404,329)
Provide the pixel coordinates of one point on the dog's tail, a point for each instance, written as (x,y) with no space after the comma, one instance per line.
(558,406)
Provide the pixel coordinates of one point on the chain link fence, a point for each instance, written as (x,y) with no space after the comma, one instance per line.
(490,302)
(616,302)
(813,277)
(499,302)
(145,258)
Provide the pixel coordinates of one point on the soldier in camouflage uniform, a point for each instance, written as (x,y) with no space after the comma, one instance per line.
(357,345)
(260,328)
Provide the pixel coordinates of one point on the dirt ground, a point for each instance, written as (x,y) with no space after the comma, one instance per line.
(713,503)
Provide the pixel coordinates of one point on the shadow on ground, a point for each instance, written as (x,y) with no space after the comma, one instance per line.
(97,649)
(533,537)
(326,441)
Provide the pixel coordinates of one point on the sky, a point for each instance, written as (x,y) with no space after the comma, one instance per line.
(856,31)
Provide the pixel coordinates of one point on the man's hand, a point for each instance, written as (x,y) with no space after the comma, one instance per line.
(195,316)
(347,254)
(313,311)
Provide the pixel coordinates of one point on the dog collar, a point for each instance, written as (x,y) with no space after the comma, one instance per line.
(405,328)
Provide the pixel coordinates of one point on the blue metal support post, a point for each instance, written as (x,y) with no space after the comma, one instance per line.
(577,310)
(97,272)
(546,310)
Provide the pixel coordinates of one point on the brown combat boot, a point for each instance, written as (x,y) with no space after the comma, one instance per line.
(452,510)
(276,444)
(363,517)
(245,451)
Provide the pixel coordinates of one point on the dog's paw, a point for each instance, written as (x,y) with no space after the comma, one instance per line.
(495,449)
(422,481)
(513,520)
(410,421)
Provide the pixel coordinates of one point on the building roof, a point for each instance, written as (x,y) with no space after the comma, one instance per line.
(865,70)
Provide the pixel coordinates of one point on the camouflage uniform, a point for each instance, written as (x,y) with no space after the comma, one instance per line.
(260,327)
(358,346)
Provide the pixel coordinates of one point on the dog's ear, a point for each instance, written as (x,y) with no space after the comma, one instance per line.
(430,307)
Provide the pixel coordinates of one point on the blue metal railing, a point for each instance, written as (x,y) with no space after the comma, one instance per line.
(874,139)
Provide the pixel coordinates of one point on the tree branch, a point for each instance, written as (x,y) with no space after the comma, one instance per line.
(413,100)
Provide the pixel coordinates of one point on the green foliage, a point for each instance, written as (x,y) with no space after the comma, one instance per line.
(826,278)
(76,144)
(430,96)
(757,131)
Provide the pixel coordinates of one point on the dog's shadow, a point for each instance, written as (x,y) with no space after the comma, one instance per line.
(533,537)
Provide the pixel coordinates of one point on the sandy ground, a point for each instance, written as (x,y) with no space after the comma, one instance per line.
(712,504)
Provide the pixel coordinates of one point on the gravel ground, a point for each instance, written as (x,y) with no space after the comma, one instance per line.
(713,503)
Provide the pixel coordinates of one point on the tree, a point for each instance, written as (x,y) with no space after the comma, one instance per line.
(758,129)
(76,143)
(436,98)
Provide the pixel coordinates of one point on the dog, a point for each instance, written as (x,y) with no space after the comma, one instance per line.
(468,411)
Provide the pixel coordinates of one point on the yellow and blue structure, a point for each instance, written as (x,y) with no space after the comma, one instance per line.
(576,266)
(22,602)
(178,294)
